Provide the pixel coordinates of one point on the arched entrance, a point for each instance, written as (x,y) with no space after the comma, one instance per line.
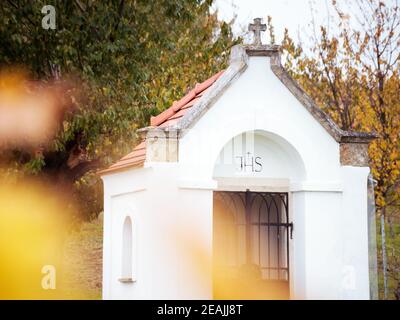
(252,231)
(251,240)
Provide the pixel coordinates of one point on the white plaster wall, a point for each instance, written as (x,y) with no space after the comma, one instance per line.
(323,244)
(355,280)
(297,249)
(331,240)
(172,235)
(120,192)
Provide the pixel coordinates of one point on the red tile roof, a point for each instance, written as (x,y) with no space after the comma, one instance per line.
(134,159)
(179,108)
(166,118)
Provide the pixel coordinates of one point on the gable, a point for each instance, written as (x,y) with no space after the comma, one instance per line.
(257,101)
(238,64)
(185,113)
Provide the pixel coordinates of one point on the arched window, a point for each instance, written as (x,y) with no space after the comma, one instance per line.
(127,256)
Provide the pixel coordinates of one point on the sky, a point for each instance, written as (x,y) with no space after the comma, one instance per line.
(292,14)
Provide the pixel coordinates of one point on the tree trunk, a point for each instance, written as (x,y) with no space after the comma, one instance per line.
(391,233)
(391,229)
(384,258)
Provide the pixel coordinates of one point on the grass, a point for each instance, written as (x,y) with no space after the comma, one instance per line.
(82,263)
(392,251)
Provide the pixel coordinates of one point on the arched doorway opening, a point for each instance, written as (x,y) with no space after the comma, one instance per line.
(252,221)
(251,240)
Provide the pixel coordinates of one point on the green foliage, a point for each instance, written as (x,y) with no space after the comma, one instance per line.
(128,60)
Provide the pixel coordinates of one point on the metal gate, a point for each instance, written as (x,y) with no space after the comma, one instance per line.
(254,229)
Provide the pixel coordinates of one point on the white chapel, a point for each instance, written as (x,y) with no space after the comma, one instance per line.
(243,189)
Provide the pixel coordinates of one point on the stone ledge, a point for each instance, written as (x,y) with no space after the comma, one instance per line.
(126,280)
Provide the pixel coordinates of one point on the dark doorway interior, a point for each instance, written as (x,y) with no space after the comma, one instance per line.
(251,245)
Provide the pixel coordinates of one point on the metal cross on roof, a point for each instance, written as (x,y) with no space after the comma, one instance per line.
(257,27)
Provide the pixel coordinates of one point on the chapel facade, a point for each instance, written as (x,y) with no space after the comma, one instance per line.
(244,188)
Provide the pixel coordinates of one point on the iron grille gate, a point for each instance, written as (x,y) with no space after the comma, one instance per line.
(261,221)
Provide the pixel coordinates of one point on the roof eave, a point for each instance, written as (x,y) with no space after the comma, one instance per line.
(262,50)
(110,171)
(358,137)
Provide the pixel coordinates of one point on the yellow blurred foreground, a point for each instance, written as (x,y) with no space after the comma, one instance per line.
(33,225)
